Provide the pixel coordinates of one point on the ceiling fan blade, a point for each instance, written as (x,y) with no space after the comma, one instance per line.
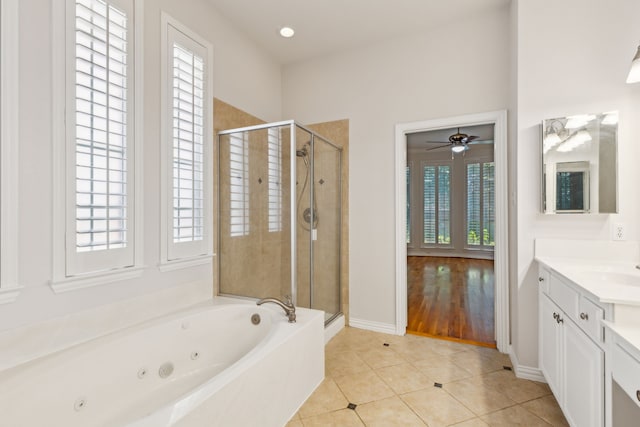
(482,141)
(436,148)
(437,142)
(470,138)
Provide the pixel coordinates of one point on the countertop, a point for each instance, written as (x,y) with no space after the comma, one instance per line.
(615,282)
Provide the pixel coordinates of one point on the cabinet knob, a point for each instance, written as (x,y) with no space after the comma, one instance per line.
(559,319)
(638,394)
(584,316)
(555,315)
(540,279)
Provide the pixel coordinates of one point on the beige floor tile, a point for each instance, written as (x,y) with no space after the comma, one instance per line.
(512,417)
(404,378)
(476,422)
(389,412)
(341,418)
(363,387)
(436,407)
(515,388)
(547,408)
(481,400)
(447,348)
(441,369)
(381,357)
(344,363)
(492,353)
(326,398)
(414,350)
(476,362)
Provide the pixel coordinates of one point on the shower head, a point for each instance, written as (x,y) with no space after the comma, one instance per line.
(303,152)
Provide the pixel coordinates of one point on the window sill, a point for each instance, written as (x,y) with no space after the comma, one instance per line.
(9,295)
(95,279)
(185,263)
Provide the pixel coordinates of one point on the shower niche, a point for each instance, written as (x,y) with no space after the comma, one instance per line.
(280,215)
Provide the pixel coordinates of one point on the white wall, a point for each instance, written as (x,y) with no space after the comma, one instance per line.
(243,76)
(446,71)
(572,57)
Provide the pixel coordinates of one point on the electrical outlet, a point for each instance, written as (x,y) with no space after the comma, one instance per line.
(619,232)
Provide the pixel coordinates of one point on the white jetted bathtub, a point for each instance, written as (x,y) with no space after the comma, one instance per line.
(207,366)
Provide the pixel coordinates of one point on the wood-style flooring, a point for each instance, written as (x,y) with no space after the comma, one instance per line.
(451,298)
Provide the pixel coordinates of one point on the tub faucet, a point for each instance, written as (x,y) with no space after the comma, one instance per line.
(287,306)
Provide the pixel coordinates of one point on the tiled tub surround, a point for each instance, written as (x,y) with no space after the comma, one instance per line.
(393,385)
(210,364)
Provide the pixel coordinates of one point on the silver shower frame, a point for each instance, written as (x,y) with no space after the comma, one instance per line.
(294,220)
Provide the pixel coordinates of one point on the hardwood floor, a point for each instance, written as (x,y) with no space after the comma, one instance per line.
(451,298)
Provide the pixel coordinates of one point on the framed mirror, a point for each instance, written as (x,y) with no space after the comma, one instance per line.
(579,164)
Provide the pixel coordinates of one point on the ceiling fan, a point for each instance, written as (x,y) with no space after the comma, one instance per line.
(458,142)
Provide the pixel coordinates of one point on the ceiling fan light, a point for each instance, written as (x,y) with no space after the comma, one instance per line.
(458,148)
(287,32)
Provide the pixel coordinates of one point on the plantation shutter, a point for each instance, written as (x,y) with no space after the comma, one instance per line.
(188,150)
(429,208)
(274,172)
(239,184)
(480,204)
(101,226)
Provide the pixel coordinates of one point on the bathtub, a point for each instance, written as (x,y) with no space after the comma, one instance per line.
(216,364)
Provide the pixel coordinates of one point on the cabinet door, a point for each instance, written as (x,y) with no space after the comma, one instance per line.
(550,343)
(583,378)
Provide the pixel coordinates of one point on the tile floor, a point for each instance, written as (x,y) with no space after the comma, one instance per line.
(393,385)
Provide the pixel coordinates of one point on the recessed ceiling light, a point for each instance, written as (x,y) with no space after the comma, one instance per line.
(287,32)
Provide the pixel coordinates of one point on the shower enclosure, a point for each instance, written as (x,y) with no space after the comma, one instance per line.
(279,215)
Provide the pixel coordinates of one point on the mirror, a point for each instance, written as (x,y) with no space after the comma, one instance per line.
(579,164)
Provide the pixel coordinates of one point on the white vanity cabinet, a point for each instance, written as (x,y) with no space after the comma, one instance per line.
(572,348)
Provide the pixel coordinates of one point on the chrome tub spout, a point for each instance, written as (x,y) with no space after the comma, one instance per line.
(287,306)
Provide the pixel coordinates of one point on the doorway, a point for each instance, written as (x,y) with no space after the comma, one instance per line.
(451,234)
(501,299)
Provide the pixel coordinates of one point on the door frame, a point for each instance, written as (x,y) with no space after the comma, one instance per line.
(501,251)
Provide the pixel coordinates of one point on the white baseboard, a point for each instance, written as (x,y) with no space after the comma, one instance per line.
(525,372)
(385,328)
(332,329)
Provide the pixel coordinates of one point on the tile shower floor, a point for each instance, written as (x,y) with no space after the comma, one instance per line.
(375,379)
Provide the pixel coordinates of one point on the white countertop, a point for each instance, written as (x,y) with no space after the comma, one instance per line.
(628,333)
(615,282)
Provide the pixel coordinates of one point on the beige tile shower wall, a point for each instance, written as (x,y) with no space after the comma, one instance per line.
(250,265)
(338,133)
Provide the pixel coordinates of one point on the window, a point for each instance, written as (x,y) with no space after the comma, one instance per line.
(480,204)
(9,288)
(187,168)
(274,171)
(100,154)
(437,205)
(239,183)
(408,182)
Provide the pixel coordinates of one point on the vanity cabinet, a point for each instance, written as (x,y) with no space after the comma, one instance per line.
(572,349)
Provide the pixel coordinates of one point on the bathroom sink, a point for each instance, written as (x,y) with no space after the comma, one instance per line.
(617,277)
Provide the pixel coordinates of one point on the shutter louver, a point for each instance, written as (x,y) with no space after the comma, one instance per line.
(100,126)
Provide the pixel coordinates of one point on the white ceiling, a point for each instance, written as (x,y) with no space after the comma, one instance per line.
(327,26)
